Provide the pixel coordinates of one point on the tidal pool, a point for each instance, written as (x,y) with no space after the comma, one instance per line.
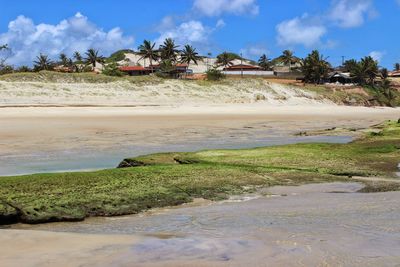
(310,225)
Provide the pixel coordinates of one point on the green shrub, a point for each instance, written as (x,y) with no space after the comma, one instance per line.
(112,70)
(6,69)
(214,75)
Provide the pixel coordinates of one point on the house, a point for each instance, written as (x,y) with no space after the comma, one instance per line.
(340,78)
(246,69)
(242,67)
(135,70)
(394,74)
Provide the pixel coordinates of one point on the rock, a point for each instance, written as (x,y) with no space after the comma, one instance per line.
(129,163)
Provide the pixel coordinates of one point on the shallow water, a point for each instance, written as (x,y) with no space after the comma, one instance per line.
(311,225)
(83,159)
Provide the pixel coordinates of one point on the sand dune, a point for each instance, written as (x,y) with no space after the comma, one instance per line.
(168,92)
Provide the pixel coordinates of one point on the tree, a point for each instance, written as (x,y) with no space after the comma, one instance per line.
(24,69)
(384,73)
(264,62)
(43,62)
(225,59)
(387,91)
(169,50)
(397,67)
(77,56)
(3,60)
(167,69)
(92,56)
(371,69)
(365,71)
(146,50)
(189,54)
(288,58)
(64,60)
(315,67)
(350,65)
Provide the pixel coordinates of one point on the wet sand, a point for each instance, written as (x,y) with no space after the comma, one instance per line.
(47,139)
(310,225)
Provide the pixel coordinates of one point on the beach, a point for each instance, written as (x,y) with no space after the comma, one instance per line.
(43,139)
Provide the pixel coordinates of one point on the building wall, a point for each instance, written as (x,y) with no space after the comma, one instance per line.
(252,73)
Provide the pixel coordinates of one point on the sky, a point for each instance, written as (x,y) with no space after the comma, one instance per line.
(337,28)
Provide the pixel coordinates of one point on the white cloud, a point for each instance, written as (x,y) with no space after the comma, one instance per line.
(221,23)
(351,13)
(254,51)
(27,40)
(377,55)
(300,31)
(218,7)
(191,32)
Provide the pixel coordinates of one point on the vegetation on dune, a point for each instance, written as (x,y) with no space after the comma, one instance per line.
(85,77)
(118,56)
(214,75)
(174,178)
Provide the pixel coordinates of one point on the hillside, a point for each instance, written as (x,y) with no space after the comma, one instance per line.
(52,88)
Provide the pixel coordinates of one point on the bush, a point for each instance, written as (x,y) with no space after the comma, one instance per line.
(6,69)
(214,75)
(112,70)
(24,69)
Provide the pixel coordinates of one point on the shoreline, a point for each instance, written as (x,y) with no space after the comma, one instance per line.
(221,242)
(175,178)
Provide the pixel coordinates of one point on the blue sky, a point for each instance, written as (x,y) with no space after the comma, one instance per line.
(350,28)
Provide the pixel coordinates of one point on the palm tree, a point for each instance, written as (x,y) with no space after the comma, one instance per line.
(169,50)
(92,56)
(387,91)
(315,67)
(365,71)
(189,54)
(264,62)
(43,62)
(350,65)
(78,57)
(384,73)
(146,50)
(371,69)
(64,60)
(225,59)
(397,66)
(288,58)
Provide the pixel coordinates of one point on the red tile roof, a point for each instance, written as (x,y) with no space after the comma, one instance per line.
(395,73)
(132,68)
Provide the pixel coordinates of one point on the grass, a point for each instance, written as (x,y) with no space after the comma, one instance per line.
(367,96)
(174,178)
(86,77)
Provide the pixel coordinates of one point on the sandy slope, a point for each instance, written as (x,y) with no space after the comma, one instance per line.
(168,92)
